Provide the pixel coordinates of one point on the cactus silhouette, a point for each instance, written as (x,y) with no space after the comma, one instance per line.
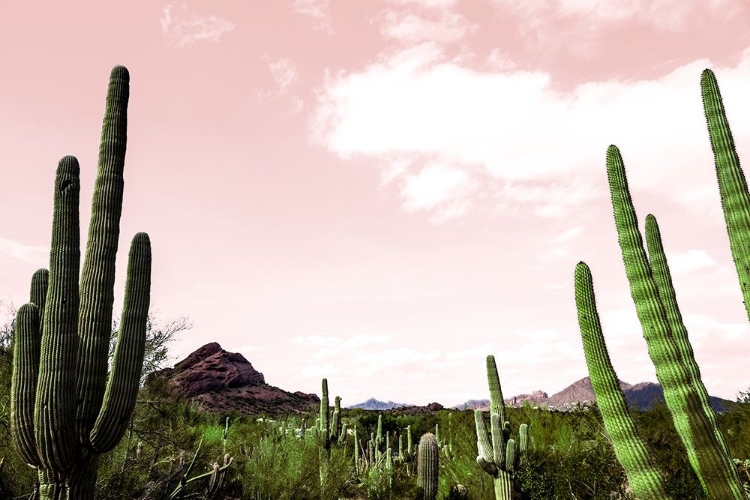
(65,410)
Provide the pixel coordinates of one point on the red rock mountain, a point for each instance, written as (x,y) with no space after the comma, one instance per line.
(220,381)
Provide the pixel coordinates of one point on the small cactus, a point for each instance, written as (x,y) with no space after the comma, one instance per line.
(428,466)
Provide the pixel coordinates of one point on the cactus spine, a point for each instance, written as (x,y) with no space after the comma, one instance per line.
(79,412)
(428,466)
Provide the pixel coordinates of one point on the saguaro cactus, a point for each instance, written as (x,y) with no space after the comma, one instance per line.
(665,333)
(735,200)
(65,410)
(644,478)
(428,465)
(498,457)
(668,344)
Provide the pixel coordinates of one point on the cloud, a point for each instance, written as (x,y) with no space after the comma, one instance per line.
(329,346)
(11,250)
(319,11)
(429,4)
(285,75)
(498,60)
(283,72)
(181,32)
(569,234)
(692,260)
(434,185)
(664,15)
(513,133)
(444,27)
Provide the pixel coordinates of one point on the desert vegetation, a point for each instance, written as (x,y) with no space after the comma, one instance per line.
(79,420)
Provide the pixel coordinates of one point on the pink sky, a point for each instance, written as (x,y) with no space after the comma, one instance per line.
(383,192)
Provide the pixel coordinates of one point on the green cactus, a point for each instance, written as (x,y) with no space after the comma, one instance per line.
(65,410)
(379,434)
(428,466)
(735,200)
(215,477)
(644,478)
(668,345)
(498,457)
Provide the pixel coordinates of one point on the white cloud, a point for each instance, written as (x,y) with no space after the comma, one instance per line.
(430,4)
(513,128)
(434,185)
(499,61)
(329,346)
(285,75)
(569,234)
(11,250)
(181,32)
(410,28)
(692,260)
(319,11)
(665,15)
(283,71)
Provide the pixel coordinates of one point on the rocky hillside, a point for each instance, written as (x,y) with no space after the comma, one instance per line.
(219,381)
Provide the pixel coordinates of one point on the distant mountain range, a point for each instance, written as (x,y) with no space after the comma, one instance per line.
(220,381)
(642,396)
(374,404)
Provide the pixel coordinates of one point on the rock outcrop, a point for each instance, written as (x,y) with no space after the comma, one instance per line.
(221,381)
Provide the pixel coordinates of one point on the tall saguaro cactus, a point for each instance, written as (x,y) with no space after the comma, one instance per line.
(65,411)
(663,328)
(735,199)
(645,480)
(668,345)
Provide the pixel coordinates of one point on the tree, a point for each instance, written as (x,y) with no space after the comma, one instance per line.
(159,334)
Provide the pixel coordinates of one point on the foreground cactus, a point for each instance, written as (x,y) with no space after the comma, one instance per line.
(735,200)
(663,328)
(668,344)
(644,478)
(65,410)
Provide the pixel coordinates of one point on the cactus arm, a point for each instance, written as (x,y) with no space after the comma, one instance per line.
(38,295)
(497,403)
(54,409)
(704,452)
(324,412)
(122,387)
(667,295)
(510,455)
(26,353)
(523,439)
(735,200)
(26,350)
(98,274)
(643,477)
(484,447)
